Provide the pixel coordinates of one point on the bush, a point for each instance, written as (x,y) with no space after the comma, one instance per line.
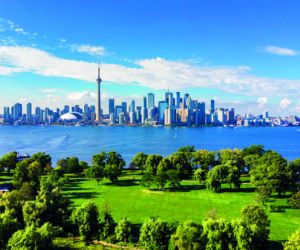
(34,238)
(293,242)
(294,201)
(155,234)
(123,230)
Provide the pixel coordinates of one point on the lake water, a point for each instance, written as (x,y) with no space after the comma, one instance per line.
(83,142)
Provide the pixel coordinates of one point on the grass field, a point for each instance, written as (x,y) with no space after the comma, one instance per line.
(128,199)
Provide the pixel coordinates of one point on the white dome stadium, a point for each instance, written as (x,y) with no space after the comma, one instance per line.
(71,117)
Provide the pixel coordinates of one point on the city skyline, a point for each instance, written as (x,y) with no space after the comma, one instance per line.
(153,47)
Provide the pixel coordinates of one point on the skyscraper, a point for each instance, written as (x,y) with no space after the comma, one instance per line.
(111,106)
(29,113)
(212,106)
(98,110)
(144,102)
(185,97)
(132,106)
(17,114)
(178,100)
(151,102)
(124,107)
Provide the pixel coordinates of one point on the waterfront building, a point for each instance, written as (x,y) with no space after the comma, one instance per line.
(111,106)
(151,101)
(132,117)
(119,109)
(212,106)
(17,111)
(170,116)
(185,97)
(221,116)
(121,119)
(132,106)
(178,100)
(6,114)
(111,118)
(230,120)
(124,107)
(183,116)
(162,106)
(29,113)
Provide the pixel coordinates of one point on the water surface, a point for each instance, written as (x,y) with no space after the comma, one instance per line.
(83,142)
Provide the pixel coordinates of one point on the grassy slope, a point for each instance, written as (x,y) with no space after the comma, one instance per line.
(129,199)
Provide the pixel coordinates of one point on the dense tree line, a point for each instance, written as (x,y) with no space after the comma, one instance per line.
(267,169)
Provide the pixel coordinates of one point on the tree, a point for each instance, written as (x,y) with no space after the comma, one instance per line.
(188,236)
(152,163)
(160,180)
(139,160)
(233,175)
(187,149)
(173,178)
(293,242)
(181,162)
(243,235)
(294,201)
(12,202)
(251,155)
(254,150)
(147,180)
(215,177)
(8,161)
(235,157)
(34,173)
(98,164)
(273,171)
(114,166)
(50,206)
(34,238)
(295,175)
(123,230)
(44,160)
(107,224)
(254,217)
(218,234)
(263,193)
(154,234)
(86,218)
(21,173)
(70,165)
(8,226)
(200,175)
(163,166)
(204,159)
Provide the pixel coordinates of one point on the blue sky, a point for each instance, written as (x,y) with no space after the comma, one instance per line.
(244,54)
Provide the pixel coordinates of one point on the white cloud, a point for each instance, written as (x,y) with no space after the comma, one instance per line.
(48,91)
(284,103)
(280,51)
(7,25)
(91,50)
(156,73)
(81,96)
(262,101)
(21,31)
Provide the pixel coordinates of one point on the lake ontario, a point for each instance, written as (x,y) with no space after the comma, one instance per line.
(83,142)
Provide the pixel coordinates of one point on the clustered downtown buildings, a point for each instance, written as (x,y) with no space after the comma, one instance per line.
(173,110)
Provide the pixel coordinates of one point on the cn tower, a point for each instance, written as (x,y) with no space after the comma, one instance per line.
(98,111)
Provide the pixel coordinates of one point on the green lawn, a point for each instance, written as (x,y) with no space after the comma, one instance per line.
(129,199)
